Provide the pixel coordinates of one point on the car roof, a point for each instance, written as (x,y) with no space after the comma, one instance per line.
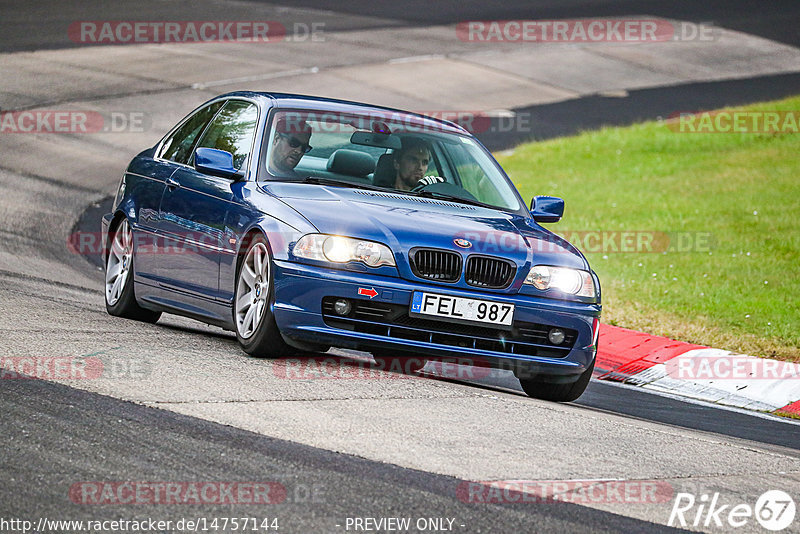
(295,101)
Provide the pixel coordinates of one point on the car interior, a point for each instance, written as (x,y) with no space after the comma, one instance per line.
(363,155)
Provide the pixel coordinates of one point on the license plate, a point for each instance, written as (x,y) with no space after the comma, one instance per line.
(462,309)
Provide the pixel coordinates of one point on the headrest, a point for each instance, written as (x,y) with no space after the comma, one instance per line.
(384,171)
(351,162)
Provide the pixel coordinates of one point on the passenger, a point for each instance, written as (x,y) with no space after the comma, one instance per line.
(290,143)
(410,163)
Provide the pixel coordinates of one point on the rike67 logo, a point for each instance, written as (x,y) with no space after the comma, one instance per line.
(774,510)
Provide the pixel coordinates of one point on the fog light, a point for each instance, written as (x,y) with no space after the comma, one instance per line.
(342,307)
(556,336)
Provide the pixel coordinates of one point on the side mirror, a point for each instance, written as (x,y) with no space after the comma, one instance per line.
(216,163)
(547,209)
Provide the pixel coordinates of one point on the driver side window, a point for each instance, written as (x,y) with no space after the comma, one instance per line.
(233,130)
(180,145)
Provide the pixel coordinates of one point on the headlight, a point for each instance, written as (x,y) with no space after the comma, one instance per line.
(338,249)
(571,281)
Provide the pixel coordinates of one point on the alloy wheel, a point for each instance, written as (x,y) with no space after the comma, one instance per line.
(252,293)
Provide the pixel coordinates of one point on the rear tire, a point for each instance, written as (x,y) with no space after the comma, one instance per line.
(119,292)
(254,321)
(557,392)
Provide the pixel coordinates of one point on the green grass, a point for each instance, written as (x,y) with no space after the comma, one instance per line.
(742,292)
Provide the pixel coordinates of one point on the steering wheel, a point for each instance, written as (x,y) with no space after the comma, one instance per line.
(423,183)
(446,188)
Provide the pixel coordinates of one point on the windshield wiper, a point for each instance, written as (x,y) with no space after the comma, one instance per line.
(339,183)
(452,198)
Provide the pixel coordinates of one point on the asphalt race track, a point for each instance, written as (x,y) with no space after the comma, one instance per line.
(179,403)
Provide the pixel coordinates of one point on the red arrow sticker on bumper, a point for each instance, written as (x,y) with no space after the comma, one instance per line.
(368,292)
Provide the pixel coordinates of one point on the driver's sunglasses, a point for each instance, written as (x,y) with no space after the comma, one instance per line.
(296,143)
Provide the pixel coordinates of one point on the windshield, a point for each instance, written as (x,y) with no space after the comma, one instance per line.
(399,153)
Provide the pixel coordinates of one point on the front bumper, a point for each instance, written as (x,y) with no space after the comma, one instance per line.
(300,290)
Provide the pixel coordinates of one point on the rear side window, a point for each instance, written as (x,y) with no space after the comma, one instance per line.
(233,130)
(178,147)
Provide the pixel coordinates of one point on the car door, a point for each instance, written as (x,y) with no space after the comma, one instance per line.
(194,205)
(148,177)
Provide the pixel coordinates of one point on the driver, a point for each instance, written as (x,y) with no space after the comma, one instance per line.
(289,145)
(410,164)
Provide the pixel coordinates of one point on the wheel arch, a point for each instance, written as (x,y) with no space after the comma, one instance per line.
(244,246)
(118,216)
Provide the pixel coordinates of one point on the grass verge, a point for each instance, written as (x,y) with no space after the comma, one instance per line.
(715,219)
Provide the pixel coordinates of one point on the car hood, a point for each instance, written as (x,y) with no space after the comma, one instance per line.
(405,221)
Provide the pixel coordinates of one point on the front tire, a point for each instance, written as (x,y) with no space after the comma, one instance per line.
(256,329)
(119,292)
(557,392)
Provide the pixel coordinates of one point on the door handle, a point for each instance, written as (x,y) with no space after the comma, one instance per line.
(172,184)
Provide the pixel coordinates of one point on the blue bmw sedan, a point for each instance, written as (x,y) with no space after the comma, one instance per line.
(304,223)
